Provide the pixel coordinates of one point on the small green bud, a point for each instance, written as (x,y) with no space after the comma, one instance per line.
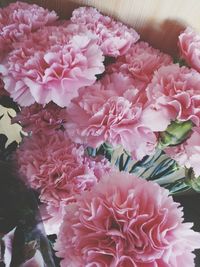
(176,133)
(191,180)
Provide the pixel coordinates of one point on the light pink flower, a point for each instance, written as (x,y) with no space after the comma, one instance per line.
(125,221)
(140,61)
(37,118)
(35,261)
(57,168)
(114,38)
(19,19)
(174,93)
(52,217)
(188,153)
(110,111)
(189,46)
(54,63)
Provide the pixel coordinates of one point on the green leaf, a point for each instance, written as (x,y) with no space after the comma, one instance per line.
(164,168)
(158,167)
(106,150)
(177,187)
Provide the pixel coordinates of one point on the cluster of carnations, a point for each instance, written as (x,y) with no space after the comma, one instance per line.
(83,82)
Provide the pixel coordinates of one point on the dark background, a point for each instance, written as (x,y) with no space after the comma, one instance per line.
(191,205)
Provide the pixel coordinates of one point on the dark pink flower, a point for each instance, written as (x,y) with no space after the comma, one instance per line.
(54,63)
(37,118)
(189,46)
(188,153)
(110,111)
(140,61)
(174,93)
(125,221)
(57,168)
(19,19)
(114,38)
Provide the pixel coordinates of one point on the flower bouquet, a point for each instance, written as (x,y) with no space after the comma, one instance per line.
(110,131)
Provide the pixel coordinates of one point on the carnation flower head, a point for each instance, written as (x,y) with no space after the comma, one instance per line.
(125,221)
(38,119)
(19,19)
(187,154)
(110,111)
(189,47)
(174,93)
(54,63)
(114,38)
(140,61)
(57,168)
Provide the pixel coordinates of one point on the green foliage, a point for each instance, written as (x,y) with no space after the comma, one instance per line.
(157,167)
(191,180)
(176,133)
(105,150)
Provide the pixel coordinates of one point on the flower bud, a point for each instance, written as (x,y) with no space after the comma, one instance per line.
(176,133)
(192,180)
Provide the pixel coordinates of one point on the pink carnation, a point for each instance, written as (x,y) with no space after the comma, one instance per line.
(174,93)
(188,153)
(110,111)
(114,38)
(126,221)
(37,118)
(57,168)
(140,61)
(19,19)
(54,63)
(189,46)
